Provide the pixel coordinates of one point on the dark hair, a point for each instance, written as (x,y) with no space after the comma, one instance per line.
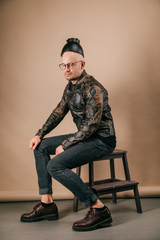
(73,45)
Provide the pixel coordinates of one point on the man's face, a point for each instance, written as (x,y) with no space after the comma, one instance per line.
(73,71)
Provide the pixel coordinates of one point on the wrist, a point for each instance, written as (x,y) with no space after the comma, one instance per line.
(39,137)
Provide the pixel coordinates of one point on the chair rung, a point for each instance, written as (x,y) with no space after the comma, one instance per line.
(115,186)
(109,180)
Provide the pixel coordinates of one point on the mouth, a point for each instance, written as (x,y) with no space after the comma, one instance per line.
(67,74)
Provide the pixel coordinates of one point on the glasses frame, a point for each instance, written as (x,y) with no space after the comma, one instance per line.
(63,66)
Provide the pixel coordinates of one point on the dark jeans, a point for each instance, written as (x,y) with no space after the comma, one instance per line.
(59,167)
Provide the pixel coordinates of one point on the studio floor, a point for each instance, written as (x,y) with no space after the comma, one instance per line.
(127,223)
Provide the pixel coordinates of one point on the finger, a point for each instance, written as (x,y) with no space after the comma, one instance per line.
(57,150)
(35,145)
(31,145)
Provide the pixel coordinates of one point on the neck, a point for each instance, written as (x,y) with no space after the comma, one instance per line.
(74,81)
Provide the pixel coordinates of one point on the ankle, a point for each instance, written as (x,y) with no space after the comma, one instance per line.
(47,198)
(47,205)
(98,204)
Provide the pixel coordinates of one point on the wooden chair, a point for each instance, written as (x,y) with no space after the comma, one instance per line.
(112,185)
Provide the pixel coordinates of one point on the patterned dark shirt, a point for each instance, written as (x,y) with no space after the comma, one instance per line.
(88,102)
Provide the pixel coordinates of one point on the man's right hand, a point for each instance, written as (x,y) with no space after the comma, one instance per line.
(34,142)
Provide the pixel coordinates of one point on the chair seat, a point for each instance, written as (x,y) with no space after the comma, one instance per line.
(117,153)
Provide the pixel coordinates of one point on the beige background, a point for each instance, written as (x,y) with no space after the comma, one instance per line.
(121,44)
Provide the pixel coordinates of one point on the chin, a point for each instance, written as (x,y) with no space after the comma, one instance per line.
(69,78)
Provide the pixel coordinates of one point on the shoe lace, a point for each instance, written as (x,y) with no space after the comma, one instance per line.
(90,213)
(35,207)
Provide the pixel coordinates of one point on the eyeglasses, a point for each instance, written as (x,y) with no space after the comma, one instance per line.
(68,65)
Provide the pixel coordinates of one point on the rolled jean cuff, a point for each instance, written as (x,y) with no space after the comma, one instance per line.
(90,201)
(45,191)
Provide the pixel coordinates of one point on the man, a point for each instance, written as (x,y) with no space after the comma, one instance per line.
(87,100)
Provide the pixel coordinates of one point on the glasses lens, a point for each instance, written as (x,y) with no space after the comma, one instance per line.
(62,66)
(72,65)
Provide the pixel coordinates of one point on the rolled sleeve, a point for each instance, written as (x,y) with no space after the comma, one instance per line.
(55,117)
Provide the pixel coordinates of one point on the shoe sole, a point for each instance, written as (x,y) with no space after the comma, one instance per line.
(48,217)
(102,224)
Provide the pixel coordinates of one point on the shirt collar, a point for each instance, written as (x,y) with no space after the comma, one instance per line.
(82,75)
(80,78)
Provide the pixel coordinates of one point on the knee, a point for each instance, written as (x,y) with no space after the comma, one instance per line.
(54,168)
(41,147)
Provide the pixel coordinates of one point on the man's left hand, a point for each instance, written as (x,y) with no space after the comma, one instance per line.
(59,150)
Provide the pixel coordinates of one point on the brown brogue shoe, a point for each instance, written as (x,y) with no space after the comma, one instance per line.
(93,220)
(41,213)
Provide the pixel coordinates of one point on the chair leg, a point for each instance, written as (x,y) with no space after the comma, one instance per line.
(137,199)
(126,168)
(75,203)
(114,197)
(91,174)
(112,169)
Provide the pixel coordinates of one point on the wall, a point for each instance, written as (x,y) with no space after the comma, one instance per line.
(121,44)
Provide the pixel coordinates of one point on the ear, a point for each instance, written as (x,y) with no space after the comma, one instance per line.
(83,64)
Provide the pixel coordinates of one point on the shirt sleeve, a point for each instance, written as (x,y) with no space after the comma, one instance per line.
(94,109)
(56,116)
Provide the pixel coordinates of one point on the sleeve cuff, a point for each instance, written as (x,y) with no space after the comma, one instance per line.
(40,135)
